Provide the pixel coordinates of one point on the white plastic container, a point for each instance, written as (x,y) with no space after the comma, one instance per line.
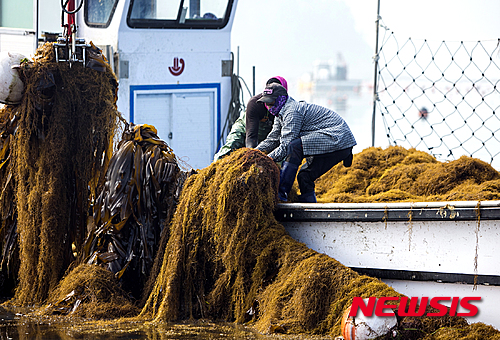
(11,86)
(366,327)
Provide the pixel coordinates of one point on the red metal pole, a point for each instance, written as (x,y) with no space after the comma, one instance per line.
(71,17)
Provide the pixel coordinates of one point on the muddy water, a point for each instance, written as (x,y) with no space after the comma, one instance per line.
(15,324)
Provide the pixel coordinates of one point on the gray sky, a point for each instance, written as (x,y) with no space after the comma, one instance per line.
(285,37)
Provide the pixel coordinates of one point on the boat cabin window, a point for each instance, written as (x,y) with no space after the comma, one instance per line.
(204,14)
(98,13)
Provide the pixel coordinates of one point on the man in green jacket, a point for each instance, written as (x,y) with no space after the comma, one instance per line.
(252,126)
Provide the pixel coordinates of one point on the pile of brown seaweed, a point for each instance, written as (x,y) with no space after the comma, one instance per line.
(396,174)
(90,292)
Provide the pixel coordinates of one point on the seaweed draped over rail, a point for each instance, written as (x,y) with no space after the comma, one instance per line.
(67,120)
(229,259)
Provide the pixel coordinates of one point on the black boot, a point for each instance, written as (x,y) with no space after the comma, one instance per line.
(310,197)
(348,161)
(287,177)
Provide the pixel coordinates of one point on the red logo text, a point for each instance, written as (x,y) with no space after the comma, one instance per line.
(413,308)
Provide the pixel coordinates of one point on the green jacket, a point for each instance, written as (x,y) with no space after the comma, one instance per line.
(235,139)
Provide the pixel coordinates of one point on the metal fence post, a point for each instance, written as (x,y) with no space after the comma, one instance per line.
(375,58)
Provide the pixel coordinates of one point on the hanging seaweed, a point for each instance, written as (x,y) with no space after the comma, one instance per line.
(136,201)
(67,119)
(9,250)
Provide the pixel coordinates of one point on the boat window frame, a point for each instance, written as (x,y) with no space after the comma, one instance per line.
(94,24)
(175,24)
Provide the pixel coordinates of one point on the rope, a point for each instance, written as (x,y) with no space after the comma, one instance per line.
(235,107)
(65,4)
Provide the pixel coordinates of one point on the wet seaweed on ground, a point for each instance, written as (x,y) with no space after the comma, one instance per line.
(91,292)
(396,174)
(443,328)
(473,331)
(137,200)
(67,119)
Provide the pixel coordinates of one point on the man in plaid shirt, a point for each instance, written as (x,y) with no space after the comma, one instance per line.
(304,130)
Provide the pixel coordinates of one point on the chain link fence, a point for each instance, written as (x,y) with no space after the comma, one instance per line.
(441,97)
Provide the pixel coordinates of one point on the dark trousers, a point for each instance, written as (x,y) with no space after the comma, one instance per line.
(316,165)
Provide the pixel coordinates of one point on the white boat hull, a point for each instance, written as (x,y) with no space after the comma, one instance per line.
(420,249)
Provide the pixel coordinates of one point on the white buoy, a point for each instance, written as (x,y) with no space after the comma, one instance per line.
(362,327)
(11,86)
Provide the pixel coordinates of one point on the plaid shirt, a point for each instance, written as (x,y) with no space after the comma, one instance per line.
(320,129)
